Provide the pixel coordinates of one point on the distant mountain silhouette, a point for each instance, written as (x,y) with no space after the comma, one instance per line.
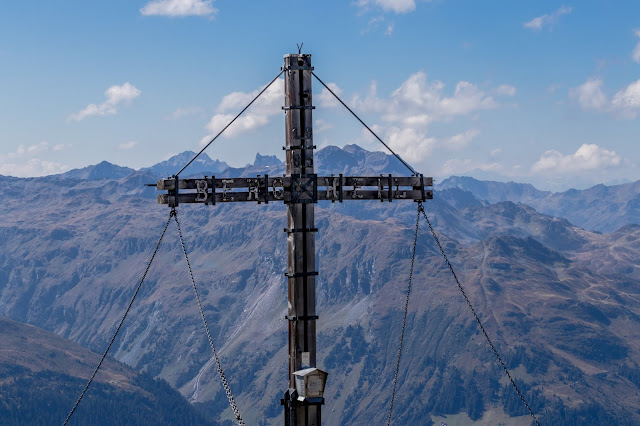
(174,164)
(103,170)
(599,208)
(561,301)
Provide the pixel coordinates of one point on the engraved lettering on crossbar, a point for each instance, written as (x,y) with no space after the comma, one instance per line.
(201,191)
(278,189)
(225,190)
(253,189)
(332,190)
(399,194)
(356,185)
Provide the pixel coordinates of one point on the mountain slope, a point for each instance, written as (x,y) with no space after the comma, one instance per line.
(42,374)
(600,208)
(561,303)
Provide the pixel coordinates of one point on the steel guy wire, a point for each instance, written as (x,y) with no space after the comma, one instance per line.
(411,169)
(420,208)
(155,251)
(223,378)
(493,348)
(406,309)
(230,123)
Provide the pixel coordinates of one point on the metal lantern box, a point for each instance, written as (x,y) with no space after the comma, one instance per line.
(310,384)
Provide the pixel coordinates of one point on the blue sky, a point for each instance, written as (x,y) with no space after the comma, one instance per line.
(540,91)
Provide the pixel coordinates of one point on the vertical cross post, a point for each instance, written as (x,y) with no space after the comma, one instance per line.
(300,232)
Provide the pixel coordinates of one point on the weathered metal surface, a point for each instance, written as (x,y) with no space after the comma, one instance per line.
(303,192)
(310,384)
(302,189)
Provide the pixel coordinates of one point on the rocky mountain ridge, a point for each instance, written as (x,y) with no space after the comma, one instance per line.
(561,302)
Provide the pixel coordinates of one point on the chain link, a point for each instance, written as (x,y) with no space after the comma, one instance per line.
(406,309)
(493,348)
(121,321)
(225,384)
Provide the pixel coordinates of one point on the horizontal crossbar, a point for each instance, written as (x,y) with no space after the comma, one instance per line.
(308,188)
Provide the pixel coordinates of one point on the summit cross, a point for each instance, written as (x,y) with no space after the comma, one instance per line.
(300,189)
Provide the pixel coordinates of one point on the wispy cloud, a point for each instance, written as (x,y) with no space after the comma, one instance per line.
(461,140)
(635,55)
(179,8)
(32,167)
(125,146)
(115,95)
(396,6)
(389,29)
(377,23)
(547,20)
(185,112)
(457,166)
(506,90)
(23,162)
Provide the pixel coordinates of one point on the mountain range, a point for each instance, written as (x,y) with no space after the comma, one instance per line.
(555,278)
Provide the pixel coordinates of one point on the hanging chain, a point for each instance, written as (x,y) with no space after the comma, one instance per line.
(473,311)
(225,384)
(121,321)
(406,309)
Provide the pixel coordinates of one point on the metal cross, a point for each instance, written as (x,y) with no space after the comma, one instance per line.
(300,189)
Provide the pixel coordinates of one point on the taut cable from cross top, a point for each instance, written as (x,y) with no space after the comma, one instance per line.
(406,310)
(230,123)
(223,378)
(411,169)
(126,312)
(475,315)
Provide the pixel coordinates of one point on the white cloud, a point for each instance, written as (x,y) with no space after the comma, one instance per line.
(124,146)
(461,140)
(115,95)
(547,20)
(258,114)
(627,101)
(587,157)
(496,152)
(456,166)
(506,90)
(22,162)
(418,101)
(409,111)
(635,55)
(320,125)
(31,150)
(32,167)
(326,99)
(373,24)
(411,143)
(389,30)
(589,95)
(179,8)
(61,146)
(396,6)
(185,112)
